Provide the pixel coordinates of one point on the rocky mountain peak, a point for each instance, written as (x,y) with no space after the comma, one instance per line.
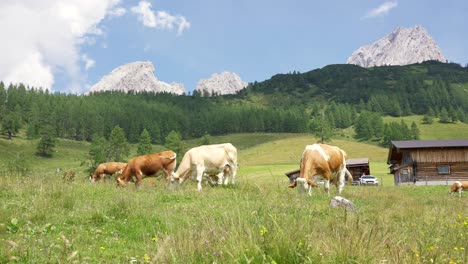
(403,46)
(223,83)
(138,77)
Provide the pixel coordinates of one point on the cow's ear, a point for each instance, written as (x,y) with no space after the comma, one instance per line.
(292,185)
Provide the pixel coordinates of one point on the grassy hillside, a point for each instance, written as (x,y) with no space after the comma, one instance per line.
(435,130)
(255,149)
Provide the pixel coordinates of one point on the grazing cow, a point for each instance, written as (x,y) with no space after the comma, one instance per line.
(458,187)
(148,165)
(107,168)
(218,159)
(321,161)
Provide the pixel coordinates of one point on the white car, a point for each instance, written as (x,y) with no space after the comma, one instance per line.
(368,180)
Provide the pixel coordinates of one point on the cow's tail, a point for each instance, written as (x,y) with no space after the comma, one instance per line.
(349,176)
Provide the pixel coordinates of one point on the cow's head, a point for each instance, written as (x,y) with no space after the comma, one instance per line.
(303,185)
(175,177)
(454,187)
(92,178)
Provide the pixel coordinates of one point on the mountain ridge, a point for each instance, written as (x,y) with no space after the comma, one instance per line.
(137,77)
(403,46)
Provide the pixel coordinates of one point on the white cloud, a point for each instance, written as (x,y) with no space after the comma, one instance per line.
(89,63)
(43,37)
(381,10)
(117,12)
(161,19)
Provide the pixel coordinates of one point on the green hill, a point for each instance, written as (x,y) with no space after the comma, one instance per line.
(277,152)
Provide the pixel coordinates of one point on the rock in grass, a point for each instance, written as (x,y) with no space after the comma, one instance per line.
(338,202)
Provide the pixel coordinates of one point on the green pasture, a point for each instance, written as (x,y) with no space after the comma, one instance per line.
(435,130)
(47,219)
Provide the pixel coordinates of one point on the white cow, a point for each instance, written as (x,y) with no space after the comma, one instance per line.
(218,159)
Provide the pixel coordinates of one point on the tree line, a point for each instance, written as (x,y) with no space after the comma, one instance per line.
(320,102)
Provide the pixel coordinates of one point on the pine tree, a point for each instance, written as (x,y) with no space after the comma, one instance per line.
(444,117)
(97,152)
(414,131)
(174,142)
(11,124)
(144,143)
(45,147)
(118,146)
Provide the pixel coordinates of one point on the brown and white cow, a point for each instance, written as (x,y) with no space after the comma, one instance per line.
(148,165)
(459,187)
(107,168)
(321,161)
(217,159)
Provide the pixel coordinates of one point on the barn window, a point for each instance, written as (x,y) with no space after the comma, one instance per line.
(443,169)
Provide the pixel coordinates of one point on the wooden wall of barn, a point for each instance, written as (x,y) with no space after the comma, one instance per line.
(429,171)
(440,155)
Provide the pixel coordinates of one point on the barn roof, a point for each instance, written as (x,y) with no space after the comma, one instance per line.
(357,162)
(407,144)
(394,152)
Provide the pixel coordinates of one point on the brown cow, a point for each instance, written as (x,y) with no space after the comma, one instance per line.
(458,187)
(321,161)
(107,168)
(148,165)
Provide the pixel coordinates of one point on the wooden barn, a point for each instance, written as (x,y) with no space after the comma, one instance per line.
(428,161)
(357,167)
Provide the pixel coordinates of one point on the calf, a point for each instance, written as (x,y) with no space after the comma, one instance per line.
(147,165)
(218,159)
(321,161)
(458,187)
(107,168)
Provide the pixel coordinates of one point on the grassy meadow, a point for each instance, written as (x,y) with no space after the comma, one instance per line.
(44,219)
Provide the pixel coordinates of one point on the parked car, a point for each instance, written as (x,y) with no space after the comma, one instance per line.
(368,180)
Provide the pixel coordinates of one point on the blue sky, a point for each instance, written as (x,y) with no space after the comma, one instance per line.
(68,45)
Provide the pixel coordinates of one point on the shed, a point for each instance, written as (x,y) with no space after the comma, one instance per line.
(357,167)
(428,161)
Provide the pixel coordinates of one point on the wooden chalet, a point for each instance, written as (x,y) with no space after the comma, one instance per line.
(429,161)
(357,167)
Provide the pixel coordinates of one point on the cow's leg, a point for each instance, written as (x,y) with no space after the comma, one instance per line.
(326,186)
(220,178)
(120,181)
(199,177)
(139,178)
(233,170)
(226,173)
(168,175)
(341,180)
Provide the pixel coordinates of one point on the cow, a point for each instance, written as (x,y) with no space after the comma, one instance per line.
(458,187)
(107,168)
(148,165)
(321,161)
(217,159)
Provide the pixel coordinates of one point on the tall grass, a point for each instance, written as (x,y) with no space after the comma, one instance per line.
(43,219)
